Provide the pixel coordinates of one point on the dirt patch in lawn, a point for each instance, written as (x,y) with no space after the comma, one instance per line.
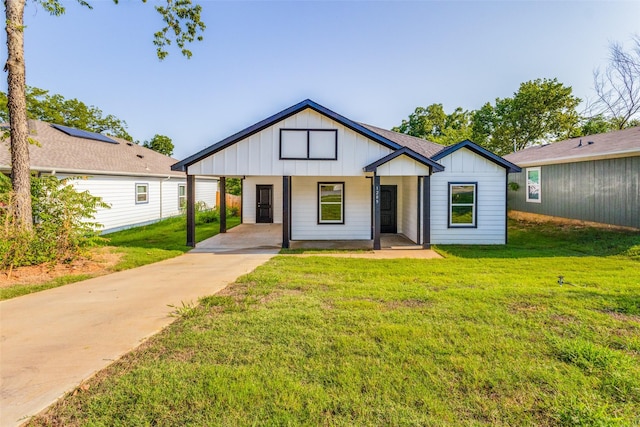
(100,261)
(566,222)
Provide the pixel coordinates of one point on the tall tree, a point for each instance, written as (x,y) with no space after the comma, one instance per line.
(618,87)
(68,112)
(182,24)
(434,124)
(541,110)
(160,143)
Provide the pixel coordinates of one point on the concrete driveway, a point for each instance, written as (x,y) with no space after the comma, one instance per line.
(51,341)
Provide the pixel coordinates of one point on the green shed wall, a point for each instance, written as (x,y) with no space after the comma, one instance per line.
(605,191)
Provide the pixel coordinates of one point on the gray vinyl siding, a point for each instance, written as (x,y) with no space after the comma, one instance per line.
(605,191)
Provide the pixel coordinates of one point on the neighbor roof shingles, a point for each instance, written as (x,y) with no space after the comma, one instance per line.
(620,143)
(64,153)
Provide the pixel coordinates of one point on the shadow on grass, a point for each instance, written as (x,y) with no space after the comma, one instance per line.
(535,240)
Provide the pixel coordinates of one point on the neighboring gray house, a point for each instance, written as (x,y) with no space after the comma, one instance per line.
(137,182)
(591,178)
(326,177)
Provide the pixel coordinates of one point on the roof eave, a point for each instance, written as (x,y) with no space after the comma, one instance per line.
(433,166)
(282,115)
(582,158)
(483,152)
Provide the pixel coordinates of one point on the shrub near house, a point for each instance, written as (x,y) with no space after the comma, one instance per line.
(63,225)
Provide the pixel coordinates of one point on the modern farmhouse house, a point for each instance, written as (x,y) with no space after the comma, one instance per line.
(326,177)
(591,178)
(136,182)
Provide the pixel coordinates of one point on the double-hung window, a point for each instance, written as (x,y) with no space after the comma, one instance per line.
(182,196)
(331,203)
(463,204)
(534,192)
(142,193)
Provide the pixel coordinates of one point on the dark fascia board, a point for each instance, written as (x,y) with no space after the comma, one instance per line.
(307,103)
(480,151)
(433,166)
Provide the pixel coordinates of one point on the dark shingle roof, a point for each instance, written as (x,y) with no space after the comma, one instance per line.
(622,143)
(65,153)
(420,146)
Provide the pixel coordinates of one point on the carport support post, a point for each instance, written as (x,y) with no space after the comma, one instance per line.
(376,212)
(286,198)
(426,212)
(223,204)
(191,211)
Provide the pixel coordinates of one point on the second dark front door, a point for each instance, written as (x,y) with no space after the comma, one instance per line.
(264,203)
(388,208)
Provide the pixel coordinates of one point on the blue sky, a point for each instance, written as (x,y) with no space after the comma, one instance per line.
(373,62)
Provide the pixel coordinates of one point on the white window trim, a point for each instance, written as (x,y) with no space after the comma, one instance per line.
(539,199)
(474,205)
(320,203)
(180,206)
(146,193)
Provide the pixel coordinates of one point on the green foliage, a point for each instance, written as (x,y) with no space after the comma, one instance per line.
(182,21)
(183,24)
(433,124)
(514,186)
(67,112)
(207,216)
(160,143)
(541,110)
(234,186)
(62,229)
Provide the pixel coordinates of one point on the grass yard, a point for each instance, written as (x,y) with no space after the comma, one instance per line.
(485,336)
(136,247)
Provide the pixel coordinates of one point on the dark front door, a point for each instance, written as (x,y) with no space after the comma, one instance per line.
(264,203)
(388,208)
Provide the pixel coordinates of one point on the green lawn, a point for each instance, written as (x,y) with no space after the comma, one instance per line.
(485,336)
(138,246)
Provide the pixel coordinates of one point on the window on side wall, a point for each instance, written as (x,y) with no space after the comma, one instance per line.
(463,204)
(331,203)
(534,190)
(142,193)
(182,196)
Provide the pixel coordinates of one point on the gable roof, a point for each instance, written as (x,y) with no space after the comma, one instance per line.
(269,121)
(62,152)
(421,149)
(621,143)
(483,152)
(433,166)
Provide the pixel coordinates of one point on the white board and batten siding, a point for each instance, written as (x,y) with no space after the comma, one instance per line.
(409,212)
(119,192)
(464,166)
(259,154)
(249,197)
(304,209)
(402,166)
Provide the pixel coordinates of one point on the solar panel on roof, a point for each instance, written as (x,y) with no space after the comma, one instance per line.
(79,133)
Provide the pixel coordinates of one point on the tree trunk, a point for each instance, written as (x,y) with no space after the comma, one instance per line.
(17,106)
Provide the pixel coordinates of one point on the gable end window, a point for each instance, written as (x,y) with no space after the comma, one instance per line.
(142,193)
(331,203)
(534,190)
(182,196)
(463,204)
(308,144)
